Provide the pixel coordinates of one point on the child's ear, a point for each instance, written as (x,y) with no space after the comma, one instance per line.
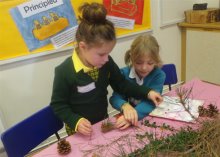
(82,45)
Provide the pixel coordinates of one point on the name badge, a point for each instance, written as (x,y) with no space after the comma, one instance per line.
(86,88)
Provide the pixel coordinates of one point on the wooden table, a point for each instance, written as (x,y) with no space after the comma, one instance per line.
(111,143)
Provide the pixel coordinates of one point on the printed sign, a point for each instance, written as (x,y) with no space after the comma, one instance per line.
(39,20)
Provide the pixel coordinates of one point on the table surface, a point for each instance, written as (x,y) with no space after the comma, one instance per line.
(115,142)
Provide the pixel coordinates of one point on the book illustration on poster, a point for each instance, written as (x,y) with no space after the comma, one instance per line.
(131,9)
(171,108)
(54,24)
(39,20)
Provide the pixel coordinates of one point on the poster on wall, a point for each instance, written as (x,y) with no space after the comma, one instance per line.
(131,9)
(39,20)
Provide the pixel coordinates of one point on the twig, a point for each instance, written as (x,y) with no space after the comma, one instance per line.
(183,95)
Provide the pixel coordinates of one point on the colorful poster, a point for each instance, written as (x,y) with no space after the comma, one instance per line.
(39,20)
(131,9)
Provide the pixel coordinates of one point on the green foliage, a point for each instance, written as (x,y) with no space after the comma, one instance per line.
(187,142)
(154,125)
(178,142)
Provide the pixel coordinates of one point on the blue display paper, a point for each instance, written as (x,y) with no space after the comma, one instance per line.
(27,25)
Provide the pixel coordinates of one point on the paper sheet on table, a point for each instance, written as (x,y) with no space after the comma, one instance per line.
(171,108)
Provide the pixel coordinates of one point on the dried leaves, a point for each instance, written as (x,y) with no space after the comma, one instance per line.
(107,126)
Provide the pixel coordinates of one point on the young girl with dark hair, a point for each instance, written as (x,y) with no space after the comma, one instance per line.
(79,95)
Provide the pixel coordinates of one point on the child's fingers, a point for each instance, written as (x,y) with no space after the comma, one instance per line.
(135,119)
(87,131)
(85,127)
(158,100)
(121,121)
(132,117)
(122,125)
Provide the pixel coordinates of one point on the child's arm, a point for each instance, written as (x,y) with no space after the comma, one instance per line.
(130,114)
(157,86)
(117,100)
(146,106)
(119,103)
(60,98)
(155,97)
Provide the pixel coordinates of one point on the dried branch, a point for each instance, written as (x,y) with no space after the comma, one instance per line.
(183,95)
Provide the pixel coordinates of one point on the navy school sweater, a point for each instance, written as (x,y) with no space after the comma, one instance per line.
(70,103)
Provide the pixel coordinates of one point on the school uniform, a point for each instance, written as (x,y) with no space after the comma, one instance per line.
(154,80)
(78,94)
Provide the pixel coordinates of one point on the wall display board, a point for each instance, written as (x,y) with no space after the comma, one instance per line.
(16,42)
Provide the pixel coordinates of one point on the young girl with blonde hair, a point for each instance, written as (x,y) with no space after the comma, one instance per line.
(143,68)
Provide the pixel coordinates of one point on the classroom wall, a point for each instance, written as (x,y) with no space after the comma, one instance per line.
(26,85)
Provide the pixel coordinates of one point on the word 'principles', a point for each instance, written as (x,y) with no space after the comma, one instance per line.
(42,4)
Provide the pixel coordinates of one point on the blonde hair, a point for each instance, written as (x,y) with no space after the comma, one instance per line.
(143,45)
(94,28)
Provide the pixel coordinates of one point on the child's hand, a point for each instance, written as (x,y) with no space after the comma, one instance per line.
(155,97)
(122,123)
(84,127)
(130,114)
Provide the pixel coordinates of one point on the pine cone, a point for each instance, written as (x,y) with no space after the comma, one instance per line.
(202,111)
(107,126)
(95,155)
(210,111)
(213,110)
(63,147)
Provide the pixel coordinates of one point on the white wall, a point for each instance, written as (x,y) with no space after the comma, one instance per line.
(25,86)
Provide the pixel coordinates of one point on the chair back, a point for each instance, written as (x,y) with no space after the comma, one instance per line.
(171,75)
(21,138)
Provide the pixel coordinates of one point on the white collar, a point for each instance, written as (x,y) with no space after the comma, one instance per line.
(133,75)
